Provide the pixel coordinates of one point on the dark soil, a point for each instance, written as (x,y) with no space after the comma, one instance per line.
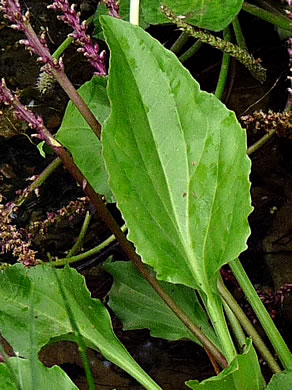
(269,256)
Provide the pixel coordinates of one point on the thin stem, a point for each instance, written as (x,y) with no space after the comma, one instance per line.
(64,45)
(238,33)
(79,242)
(78,101)
(249,328)
(67,42)
(68,87)
(39,180)
(235,326)
(257,145)
(269,7)
(215,312)
(179,43)
(191,51)
(89,253)
(279,21)
(262,314)
(222,80)
(134,12)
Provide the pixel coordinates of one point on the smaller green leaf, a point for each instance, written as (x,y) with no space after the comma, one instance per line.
(281,381)
(213,15)
(243,374)
(76,135)
(21,287)
(124,13)
(49,378)
(44,149)
(139,306)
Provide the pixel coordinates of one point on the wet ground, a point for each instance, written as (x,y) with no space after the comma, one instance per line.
(269,256)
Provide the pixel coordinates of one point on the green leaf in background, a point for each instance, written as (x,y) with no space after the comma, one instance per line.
(124,12)
(243,374)
(21,287)
(281,381)
(138,306)
(177,163)
(49,378)
(76,135)
(213,15)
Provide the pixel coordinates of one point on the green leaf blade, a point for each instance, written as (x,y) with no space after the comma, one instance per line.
(51,319)
(213,15)
(243,374)
(280,381)
(76,135)
(138,306)
(49,378)
(176,160)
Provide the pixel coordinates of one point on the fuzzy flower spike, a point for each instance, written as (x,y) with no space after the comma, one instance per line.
(90,50)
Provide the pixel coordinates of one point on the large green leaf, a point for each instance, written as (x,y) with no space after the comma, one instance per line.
(139,306)
(76,135)
(44,379)
(176,159)
(281,381)
(213,15)
(20,288)
(243,374)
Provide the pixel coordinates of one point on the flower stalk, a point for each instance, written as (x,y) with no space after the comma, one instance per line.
(37,45)
(90,50)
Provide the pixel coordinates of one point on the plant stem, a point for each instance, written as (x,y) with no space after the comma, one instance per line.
(262,314)
(85,255)
(238,33)
(134,12)
(64,45)
(279,21)
(264,4)
(67,42)
(83,108)
(249,328)
(191,51)
(235,326)
(39,180)
(178,44)
(257,145)
(224,68)
(215,311)
(68,87)
(78,244)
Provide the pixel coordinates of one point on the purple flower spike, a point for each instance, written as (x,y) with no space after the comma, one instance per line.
(114,7)
(12,11)
(21,111)
(72,18)
(35,44)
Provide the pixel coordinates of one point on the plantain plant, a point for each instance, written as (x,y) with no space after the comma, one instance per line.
(174,160)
